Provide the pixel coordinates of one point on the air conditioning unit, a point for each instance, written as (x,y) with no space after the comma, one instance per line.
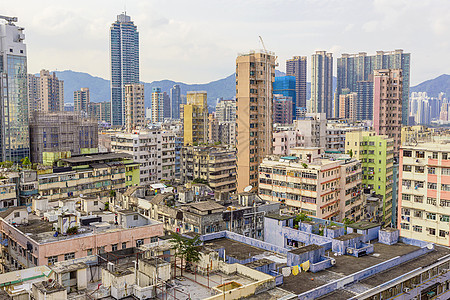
(333,261)
(110,267)
(406,289)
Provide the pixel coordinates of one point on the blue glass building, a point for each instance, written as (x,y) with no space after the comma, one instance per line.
(124,43)
(285,85)
(175,101)
(14,133)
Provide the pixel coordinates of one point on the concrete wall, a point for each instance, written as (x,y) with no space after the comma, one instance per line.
(273,232)
(306,238)
(358,276)
(388,237)
(263,282)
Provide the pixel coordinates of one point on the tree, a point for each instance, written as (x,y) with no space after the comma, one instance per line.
(186,248)
(26,163)
(350,153)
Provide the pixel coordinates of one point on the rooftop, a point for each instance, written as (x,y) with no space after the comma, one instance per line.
(347,237)
(206,205)
(305,249)
(235,249)
(363,225)
(279,217)
(346,265)
(97,157)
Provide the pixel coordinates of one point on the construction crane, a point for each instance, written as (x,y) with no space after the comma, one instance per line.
(10,20)
(262,42)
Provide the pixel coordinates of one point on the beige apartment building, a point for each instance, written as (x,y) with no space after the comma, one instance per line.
(134,106)
(195,118)
(424,192)
(325,188)
(347,105)
(255,74)
(216,165)
(45,92)
(81,100)
(387,104)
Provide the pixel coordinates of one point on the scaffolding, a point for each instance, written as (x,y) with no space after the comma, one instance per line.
(62,133)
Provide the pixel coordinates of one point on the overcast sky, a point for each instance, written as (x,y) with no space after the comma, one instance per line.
(197,41)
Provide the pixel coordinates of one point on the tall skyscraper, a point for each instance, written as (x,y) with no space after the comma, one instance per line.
(195,118)
(45,93)
(354,68)
(296,66)
(282,109)
(322,83)
(134,106)
(124,43)
(175,101)
(167,113)
(255,74)
(387,104)
(347,105)
(81,100)
(286,86)
(14,136)
(157,105)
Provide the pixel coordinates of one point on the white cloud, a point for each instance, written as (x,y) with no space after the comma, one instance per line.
(197,40)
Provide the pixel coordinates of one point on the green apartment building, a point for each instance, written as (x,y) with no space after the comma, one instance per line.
(376,153)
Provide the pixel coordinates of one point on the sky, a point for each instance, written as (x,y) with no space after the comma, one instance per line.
(197,41)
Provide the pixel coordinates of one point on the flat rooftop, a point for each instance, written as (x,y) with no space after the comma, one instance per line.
(347,237)
(96,157)
(43,232)
(305,249)
(346,265)
(363,225)
(235,249)
(279,217)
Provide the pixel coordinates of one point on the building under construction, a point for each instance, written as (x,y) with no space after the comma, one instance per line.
(58,133)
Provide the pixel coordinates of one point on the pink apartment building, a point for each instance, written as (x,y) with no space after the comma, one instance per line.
(28,240)
(387,104)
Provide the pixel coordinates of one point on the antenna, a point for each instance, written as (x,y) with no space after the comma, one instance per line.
(10,20)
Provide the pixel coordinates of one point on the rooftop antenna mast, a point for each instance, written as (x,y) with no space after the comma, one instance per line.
(262,42)
(10,20)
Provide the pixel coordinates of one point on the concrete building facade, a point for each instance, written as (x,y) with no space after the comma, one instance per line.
(424,192)
(154,150)
(282,109)
(216,165)
(387,104)
(81,100)
(61,132)
(195,118)
(322,83)
(296,66)
(134,107)
(324,188)
(255,74)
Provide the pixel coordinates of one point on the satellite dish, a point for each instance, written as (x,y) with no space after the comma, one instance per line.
(430,246)
(29,209)
(248,188)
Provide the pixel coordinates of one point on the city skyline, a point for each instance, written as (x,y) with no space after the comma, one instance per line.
(174,44)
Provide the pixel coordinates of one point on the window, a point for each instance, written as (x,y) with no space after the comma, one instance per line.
(445,187)
(420,169)
(445,171)
(431,231)
(434,155)
(139,242)
(89,251)
(406,197)
(404,226)
(432,185)
(406,211)
(114,247)
(444,218)
(418,184)
(16,214)
(407,153)
(52,259)
(70,255)
(154,239)
(444,203)
(443,233)
(101,250)
(407,168)
(431,216)
(95,203)
(431,201)
(444,155)
(420,154)
(418,214)
(431,170)
(135,217)
(418,198)
(417,228)
(124,245)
